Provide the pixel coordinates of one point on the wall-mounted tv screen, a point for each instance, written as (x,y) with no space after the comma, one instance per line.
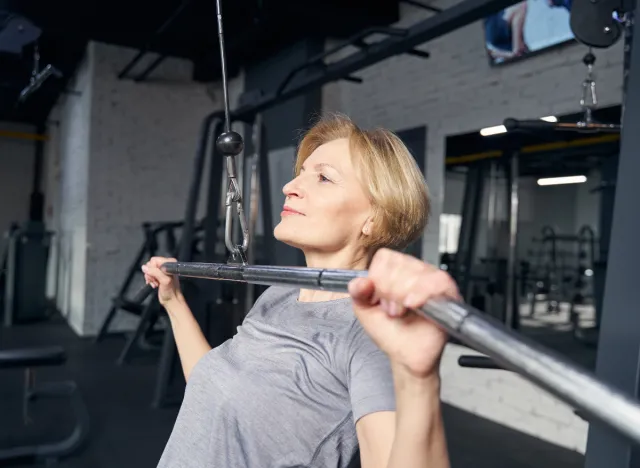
(526,28)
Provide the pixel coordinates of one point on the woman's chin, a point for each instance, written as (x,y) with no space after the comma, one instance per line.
(286,236)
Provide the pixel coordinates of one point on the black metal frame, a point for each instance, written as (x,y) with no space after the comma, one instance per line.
(218,308)
(49,451)
(169,374)
(423,6)
(618,360)
(467,239)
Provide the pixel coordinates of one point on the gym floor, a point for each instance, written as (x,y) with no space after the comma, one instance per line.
(127,433)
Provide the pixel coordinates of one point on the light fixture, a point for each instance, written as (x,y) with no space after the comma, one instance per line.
(493,130)
(562,180)
(550,118)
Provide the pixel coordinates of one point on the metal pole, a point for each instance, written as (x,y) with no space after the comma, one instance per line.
(511,297)
(618,360)
(254,204)
(492,241)
(547,369)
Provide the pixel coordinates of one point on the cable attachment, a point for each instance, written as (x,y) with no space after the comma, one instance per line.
(589,100)
(230,145)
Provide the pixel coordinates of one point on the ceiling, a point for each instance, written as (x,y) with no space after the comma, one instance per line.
(543,153)
(254,29)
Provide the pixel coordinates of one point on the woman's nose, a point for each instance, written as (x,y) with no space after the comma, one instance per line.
(292,188)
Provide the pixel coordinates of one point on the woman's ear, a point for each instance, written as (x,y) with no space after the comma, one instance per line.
(367,229)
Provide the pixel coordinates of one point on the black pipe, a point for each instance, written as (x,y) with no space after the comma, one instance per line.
(185,251)
(147,71)
(355,40)
(186,240)
(424,6)
(478,362)
(212,218)
(542,125)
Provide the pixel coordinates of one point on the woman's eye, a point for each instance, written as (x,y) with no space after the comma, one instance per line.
(323,178)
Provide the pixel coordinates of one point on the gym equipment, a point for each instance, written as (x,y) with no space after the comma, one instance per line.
(48,452)
(27,255)
(585,268)
(544,368)
(593,24)
(588,104)
(38,77)
(563,274)
(149,247)
(499,272)
(4,257)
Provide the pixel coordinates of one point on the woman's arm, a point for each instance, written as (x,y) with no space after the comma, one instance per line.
(190,341)
(419,430)
(396,284)
(411,437)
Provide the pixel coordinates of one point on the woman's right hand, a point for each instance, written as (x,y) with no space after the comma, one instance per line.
(168,285)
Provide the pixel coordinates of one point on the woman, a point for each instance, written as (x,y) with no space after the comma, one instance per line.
(302,383)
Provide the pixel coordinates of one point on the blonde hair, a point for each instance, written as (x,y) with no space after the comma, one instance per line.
(396,188)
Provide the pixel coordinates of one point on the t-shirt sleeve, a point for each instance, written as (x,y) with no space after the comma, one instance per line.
(369,377)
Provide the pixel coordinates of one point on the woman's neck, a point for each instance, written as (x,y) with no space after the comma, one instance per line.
(343,260)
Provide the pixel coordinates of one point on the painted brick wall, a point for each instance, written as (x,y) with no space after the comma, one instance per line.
(131,147)
(143,141)
(66,189)
(456,91)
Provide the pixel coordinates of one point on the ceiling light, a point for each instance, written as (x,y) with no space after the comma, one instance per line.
(550,118)
(493,130)
(562,180)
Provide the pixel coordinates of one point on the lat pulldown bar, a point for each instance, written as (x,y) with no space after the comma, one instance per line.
(548,370)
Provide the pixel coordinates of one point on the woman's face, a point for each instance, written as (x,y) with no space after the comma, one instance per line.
(326,208)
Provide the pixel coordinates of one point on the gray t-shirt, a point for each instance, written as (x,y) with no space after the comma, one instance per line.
(285,391)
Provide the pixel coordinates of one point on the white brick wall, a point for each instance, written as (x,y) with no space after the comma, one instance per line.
(67,169)
(456,91)
(138,141)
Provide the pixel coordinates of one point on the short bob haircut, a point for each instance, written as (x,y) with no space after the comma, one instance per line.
(389,174)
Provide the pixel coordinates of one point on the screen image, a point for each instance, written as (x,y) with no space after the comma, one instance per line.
(526,28)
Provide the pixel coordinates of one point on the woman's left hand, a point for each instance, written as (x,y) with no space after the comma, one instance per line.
(397,282)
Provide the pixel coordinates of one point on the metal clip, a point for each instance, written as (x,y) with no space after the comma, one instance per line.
(589,100)
(234,197)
